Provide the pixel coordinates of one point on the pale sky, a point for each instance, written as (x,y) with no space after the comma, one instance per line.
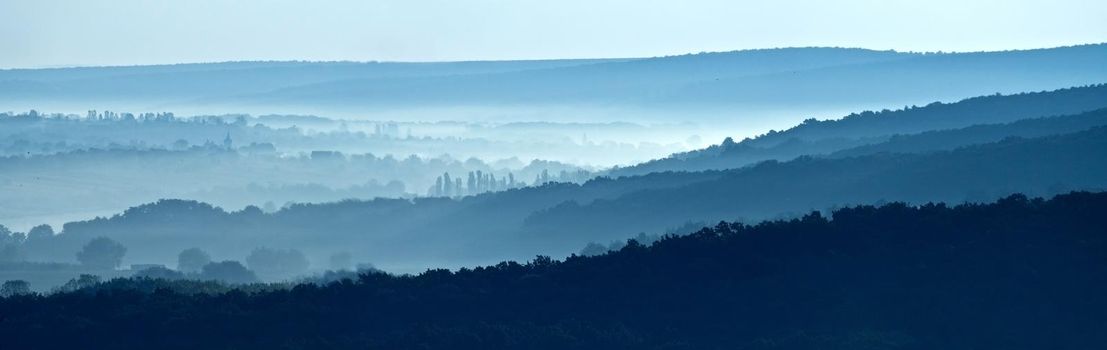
(45,33)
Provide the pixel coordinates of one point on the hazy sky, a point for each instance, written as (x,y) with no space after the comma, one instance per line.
(40,33)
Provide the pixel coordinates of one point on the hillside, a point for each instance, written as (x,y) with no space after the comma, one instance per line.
(185,81)
(938,140)
(983,172)
(628,82)
(815,137)
(743,82)
(325,82)
(1016,274)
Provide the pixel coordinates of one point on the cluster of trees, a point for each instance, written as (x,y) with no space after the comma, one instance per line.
(35,133)
(478,182)
(14,288)
(262,264)
(15,245)
(99,253)
(104,256)
(1019,273)
(481,182)
(165,117)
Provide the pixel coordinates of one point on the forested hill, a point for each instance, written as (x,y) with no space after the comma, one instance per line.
(815,137)
(1016,274)
(978,134)
(1040,165)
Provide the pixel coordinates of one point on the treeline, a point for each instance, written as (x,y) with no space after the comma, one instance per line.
(481,182)
(82,184)
(1019,273)
(102,257)
(34,133)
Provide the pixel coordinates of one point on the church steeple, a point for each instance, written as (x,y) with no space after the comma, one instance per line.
(227,143)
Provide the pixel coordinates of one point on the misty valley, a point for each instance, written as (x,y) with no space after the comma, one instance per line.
(791,198)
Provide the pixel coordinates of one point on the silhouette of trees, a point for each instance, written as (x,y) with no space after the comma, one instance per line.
(102,253)
(228,271)
(192,260)
(481,182)
(40,232)
(11,246)
(14,288)
(83,281)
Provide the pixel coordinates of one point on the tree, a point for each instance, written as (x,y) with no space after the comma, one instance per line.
(39,243)
(14,288)
(436,190)
(192,260)
(11,245)
(277,263)
(40,232)
(102,253)
(228,271)
(472,183)
(81,282)
(447,185)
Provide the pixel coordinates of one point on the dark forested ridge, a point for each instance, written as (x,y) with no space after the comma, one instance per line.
(1039,166)
(815,137)
(1015,274)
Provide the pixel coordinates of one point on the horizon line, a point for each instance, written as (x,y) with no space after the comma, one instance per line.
(300,61)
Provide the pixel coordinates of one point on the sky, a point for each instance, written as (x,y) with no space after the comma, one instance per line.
(52,33)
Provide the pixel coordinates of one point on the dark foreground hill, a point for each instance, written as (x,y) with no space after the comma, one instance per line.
(1016,274)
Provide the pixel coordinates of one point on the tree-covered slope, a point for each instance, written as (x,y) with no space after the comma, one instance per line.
(948,139)
(980,172)
(1016,274)
(815,137)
